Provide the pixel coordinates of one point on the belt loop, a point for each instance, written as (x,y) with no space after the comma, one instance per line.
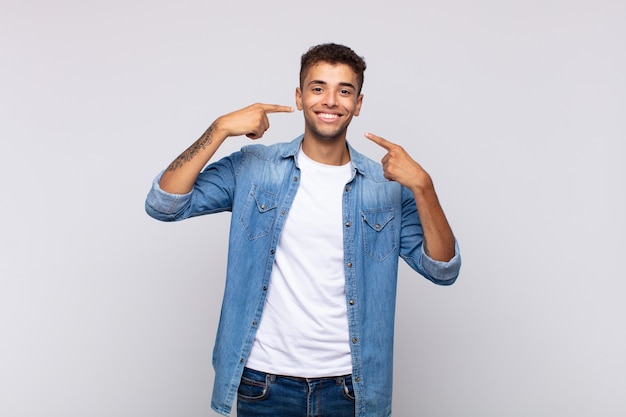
(272,378)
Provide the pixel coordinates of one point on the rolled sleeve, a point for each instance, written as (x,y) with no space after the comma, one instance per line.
(442,273)
(165,206)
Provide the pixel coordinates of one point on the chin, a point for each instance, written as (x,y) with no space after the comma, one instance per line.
(328,136)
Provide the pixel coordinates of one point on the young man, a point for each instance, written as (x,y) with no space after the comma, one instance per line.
(317,229)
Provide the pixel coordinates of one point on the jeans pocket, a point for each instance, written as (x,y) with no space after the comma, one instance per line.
(254,386)
(347,388)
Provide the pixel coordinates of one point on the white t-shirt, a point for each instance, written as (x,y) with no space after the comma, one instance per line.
(304,326)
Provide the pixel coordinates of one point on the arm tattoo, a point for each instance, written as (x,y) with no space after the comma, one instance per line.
(204,140)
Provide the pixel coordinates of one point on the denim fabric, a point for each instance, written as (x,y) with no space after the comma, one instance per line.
(267,395)
(380,225)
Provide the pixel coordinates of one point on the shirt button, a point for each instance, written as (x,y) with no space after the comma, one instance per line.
(377,226)
(349,264)
(295,178)
(282,212)
(357,379)
(254,323)
(272,251)
(347,189)
(265,288)
(347,224)
(354,340)
(351,302)
(262,206)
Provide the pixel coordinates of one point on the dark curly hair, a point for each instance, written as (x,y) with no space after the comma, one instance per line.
(332,53)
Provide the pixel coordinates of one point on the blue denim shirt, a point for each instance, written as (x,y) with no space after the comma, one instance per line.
(380,225)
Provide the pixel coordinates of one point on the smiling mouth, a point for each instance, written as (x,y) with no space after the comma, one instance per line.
(327,116)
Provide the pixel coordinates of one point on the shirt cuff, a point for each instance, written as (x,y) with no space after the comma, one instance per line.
(443,272)
(163,202)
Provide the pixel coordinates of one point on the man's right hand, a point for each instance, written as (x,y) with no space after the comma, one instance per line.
(251,121)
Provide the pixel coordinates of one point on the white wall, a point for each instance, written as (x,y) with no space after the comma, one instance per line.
(515,107)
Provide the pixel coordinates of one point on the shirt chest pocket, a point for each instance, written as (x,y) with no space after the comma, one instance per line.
(259,212)
(379,235)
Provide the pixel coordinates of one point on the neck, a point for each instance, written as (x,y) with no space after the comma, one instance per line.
(333,152)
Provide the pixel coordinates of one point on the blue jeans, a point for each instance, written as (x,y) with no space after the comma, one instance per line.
(268,395)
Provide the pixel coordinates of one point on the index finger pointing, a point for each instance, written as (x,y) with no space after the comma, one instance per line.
(275,108)
(379,141)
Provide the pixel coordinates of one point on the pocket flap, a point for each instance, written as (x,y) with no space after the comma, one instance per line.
(265,201)
(378,219)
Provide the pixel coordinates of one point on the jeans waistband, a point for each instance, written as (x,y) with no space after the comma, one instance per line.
(272,377)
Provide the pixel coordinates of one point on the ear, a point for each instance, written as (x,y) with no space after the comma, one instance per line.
(359,102)
(299,98)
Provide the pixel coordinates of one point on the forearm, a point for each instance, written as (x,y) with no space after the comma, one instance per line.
(439,242)
(181,174)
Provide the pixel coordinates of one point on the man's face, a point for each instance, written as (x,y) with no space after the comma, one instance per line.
(328,98)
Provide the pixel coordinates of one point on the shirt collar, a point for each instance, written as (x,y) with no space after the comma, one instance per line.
(361,163)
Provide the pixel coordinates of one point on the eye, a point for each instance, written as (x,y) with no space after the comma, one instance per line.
(316,89)
(346,92)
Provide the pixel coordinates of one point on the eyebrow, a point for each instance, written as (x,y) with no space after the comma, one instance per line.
(343,83)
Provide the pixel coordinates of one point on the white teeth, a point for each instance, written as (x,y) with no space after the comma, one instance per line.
(328,116)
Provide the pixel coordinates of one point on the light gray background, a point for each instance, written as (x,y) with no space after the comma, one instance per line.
(516,108)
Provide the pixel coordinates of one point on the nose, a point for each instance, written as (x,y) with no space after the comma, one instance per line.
(330,100)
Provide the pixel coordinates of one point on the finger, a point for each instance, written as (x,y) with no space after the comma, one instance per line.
(379,141)
(255,135)
(275,108)
(260,131)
